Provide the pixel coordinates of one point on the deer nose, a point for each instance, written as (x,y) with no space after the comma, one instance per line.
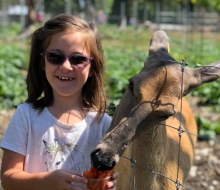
(102,161)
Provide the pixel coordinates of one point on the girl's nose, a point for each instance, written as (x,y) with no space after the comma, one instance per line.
(67,65)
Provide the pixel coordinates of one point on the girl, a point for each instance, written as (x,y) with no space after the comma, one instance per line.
(48,141)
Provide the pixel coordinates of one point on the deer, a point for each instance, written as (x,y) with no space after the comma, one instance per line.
(151,138)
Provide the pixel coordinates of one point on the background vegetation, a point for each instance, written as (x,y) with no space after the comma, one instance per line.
(125,52)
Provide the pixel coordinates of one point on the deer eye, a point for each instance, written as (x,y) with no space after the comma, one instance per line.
(131,84)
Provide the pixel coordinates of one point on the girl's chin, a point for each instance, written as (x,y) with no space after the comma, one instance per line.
(66,93)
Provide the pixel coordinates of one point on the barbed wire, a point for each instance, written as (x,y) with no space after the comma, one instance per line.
(180,131)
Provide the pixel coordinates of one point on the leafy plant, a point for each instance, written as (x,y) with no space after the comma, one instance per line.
(120,66)
(12,79)
(207,128)
(9,30)
(197,53)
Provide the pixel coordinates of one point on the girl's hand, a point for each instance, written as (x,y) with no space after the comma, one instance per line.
(13,176)
(112,184)
(62,179)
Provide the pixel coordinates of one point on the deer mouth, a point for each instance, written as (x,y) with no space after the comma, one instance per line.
(103,158)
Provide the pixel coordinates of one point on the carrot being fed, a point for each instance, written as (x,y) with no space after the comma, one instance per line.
(97,179)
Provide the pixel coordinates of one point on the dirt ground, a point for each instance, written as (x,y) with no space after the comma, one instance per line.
(205,172)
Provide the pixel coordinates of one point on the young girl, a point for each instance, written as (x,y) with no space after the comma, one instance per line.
(48,141)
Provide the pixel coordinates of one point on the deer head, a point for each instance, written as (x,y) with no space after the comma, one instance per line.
(151,97)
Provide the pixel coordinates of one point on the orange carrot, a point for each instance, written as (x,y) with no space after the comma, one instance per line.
(93,173)
(100,183)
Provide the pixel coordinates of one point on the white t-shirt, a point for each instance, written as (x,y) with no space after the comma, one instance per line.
(49,144)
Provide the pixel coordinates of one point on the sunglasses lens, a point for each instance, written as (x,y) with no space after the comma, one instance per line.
(55,57)
(58,58)
(78,60)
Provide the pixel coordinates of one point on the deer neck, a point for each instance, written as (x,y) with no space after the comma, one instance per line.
(152,147)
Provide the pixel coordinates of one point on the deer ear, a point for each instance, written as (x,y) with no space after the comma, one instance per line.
(159,40)
(198,76)
(159,46)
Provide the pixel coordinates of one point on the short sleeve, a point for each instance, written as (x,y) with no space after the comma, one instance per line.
(16,134)
(106,122)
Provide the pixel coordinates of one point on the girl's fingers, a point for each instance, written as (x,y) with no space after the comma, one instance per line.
(71,176)
(72,172)
(115,175)
(112,184)
(76,178)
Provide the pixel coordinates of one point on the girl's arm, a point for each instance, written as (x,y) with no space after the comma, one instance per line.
(14,177)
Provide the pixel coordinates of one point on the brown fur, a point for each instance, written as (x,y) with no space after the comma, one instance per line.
(159,148)
(145,123)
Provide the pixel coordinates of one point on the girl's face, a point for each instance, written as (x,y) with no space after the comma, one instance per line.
(66,79)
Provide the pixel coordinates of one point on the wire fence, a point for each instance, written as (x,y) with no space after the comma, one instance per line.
(185,23)
(180,130)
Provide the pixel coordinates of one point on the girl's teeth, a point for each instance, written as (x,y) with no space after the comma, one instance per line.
(65,78)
